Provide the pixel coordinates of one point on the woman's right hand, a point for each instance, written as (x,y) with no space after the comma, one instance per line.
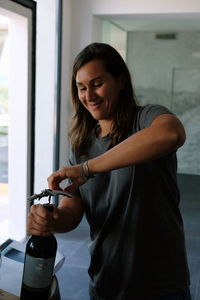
(74,173)
(63,218)
(41,221)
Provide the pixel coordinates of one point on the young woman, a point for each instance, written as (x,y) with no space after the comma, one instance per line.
(123,177)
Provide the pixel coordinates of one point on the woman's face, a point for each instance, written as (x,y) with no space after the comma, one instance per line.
(98,90)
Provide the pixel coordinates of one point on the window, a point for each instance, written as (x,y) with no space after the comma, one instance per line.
(17,53)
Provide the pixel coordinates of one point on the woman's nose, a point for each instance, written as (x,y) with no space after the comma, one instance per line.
(90,94)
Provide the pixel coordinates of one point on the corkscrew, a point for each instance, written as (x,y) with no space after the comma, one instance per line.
(48,193)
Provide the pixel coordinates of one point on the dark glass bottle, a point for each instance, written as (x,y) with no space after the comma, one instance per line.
(38,267)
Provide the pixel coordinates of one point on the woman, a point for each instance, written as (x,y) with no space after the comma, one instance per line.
(123,177)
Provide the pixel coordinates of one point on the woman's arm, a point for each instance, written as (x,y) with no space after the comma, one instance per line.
(64,218)
(164,135)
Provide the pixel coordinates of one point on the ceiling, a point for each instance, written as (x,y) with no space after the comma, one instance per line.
(155,23)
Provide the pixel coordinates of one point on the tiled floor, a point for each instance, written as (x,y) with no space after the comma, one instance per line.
(73,278)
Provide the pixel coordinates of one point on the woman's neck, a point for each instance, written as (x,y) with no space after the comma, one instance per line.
(105,128)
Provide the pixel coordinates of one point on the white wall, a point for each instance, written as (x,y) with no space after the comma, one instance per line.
(45,91)
(144,6)
(81,25)
(66,77)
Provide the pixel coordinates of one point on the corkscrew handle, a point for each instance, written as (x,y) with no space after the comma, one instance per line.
(48,193)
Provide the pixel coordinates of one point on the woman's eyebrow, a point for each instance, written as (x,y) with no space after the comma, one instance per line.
(92,80)
(96,78)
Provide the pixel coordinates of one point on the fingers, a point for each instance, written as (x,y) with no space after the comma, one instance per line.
(55,179)
(72,172)
(40,221)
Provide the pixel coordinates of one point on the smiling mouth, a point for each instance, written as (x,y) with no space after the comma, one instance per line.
(95,104)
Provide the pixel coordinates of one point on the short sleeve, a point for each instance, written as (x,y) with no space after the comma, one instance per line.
(148,113)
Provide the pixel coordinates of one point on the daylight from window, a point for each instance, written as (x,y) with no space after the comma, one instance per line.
(4,123)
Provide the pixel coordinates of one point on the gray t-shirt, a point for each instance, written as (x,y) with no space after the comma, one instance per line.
(137,239)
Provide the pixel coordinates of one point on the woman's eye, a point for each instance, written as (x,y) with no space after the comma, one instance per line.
(98,84)
(81,88)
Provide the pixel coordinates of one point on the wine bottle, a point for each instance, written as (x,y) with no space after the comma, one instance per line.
(38,266)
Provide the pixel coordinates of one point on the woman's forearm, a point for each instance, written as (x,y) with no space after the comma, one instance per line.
(66,221)
(68,214)
(165,135)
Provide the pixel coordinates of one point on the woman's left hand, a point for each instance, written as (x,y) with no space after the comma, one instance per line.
(74,173)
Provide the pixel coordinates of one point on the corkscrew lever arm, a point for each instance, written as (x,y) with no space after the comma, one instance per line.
(48,193)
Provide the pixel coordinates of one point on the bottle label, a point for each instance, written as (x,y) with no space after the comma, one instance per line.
(38,271)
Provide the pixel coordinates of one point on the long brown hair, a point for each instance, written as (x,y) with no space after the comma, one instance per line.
(82,121)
